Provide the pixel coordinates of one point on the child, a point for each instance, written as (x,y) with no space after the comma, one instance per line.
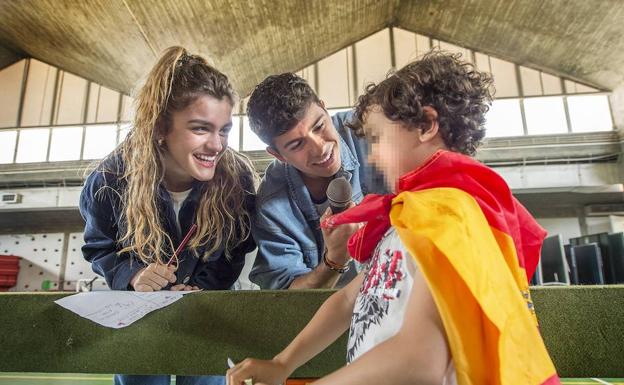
(444,297)
(173,171)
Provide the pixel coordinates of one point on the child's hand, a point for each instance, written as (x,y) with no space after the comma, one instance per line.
(153,278)
(262,372)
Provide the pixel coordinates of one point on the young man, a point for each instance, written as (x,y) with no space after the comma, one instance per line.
(311,149)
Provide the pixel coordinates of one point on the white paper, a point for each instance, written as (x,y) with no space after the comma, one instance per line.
(118,309)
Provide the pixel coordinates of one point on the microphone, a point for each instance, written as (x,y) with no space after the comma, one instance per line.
(339,194)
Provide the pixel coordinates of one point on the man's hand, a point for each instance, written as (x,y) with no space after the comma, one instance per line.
(336,238)
(153,278)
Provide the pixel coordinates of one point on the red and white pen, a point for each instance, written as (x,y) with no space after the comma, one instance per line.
(182,244)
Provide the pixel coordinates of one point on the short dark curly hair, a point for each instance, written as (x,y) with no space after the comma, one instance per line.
(277,104)
(455,89)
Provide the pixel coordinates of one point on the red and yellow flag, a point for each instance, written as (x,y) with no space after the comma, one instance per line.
(476,247)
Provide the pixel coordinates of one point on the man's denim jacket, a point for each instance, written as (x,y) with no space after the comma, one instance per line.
(102,211)
(286,224)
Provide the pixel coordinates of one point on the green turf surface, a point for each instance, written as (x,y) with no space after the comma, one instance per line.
(100,379)
(583,328)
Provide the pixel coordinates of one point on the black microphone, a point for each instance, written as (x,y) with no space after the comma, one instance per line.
(339,194)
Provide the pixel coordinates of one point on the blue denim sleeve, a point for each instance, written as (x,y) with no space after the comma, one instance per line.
(279,259)
(98,209)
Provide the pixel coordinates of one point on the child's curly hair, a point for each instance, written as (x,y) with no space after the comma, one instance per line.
(455,89)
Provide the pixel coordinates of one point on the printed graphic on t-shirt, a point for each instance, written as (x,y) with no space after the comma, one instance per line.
(378,291)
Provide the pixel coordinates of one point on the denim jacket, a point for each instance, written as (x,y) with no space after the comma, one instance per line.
(286,223)
(102,211)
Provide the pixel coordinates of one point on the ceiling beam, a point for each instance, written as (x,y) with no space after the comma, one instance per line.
(115,42)
(8,57)
(578,39)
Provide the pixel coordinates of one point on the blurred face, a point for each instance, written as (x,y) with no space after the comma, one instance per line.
(195,141)
(394,149)
(311,146)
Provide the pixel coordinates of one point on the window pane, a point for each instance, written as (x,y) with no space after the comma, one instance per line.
(531,81)
(234,136)
(124,130)
(11,80)
(108,105)
(7,146)
(99,141)
(33,145)
(423,45)
(372,56)
(65,143)
(71,99)
(590,113)
(127,108)
(552,84)
(482,62)
(251,142)
(545,116)
(504,119)
(92,105)
(452,48)
(404,46)
(333,80)
(570,87)
(37,107)
(505,80)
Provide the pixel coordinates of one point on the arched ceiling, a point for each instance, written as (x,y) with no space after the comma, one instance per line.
(115,42)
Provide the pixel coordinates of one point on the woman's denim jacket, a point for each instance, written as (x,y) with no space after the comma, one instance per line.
(101,209)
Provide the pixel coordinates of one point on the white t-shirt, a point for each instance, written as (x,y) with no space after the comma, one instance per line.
(177,199)
(383,298)
(322,206)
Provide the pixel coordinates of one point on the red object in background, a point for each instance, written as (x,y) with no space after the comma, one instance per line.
(9,268)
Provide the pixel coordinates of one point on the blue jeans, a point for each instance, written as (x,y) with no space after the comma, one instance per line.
(125,379)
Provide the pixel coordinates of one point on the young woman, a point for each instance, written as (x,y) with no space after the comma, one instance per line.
(172,176)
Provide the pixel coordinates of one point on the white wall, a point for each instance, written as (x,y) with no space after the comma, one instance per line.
(48,197)
(567,227)
(570,227)
(617,223)
(560,175)
(44,262)
(597,225)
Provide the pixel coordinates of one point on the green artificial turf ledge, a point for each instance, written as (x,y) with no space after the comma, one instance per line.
(583,327)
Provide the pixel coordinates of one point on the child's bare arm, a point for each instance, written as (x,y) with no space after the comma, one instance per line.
(330,321)
(417,354)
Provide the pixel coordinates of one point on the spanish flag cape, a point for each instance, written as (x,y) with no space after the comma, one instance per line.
(476,246)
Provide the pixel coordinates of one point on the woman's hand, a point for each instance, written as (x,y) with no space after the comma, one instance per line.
(183,287)
(153,278)
(261,372)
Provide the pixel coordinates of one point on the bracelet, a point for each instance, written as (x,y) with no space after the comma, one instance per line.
(340,269)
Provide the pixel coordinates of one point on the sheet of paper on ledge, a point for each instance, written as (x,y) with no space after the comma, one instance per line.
(118,309)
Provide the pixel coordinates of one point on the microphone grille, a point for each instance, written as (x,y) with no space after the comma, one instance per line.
(339,190)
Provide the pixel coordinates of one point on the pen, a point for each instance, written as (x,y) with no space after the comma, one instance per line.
(182,244)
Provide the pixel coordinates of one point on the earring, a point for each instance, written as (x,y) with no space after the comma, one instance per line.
(160,141)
